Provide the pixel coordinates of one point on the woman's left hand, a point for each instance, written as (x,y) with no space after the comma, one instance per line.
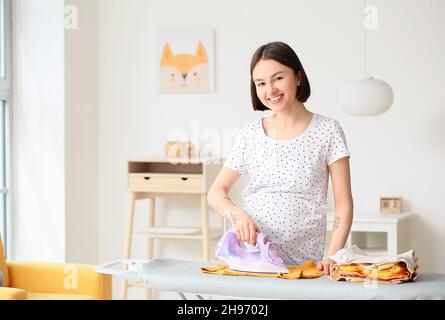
(327,266)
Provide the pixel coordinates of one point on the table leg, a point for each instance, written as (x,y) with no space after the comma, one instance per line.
(205,227)
(128,239)
(151,223)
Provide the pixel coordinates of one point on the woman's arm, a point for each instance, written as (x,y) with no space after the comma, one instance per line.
(341,184)
(218,199)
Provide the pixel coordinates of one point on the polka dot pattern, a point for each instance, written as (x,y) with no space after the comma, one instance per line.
(287,192)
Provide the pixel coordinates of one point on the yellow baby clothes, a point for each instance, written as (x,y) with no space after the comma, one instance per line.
(306,270)
(354,265)
(388,273)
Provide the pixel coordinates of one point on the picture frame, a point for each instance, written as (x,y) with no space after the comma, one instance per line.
(391,205)
(185,60)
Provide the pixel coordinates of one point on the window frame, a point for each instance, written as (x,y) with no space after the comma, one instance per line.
(6,95)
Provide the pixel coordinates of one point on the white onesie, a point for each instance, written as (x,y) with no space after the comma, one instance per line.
(287,191)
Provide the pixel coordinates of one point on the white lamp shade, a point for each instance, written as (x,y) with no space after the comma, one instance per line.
(365,97)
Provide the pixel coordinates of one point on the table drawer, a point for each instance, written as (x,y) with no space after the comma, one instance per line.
(166,183)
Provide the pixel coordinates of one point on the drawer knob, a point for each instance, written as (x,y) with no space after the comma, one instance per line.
(147,178)
(184,179)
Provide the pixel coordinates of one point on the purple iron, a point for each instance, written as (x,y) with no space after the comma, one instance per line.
(261,258)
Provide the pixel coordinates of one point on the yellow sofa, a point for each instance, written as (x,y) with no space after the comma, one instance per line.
(43,281)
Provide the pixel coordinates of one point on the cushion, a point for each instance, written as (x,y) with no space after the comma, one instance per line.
(4,280)
(12,294)
(57,296)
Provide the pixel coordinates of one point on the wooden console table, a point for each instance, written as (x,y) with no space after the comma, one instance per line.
(155,177)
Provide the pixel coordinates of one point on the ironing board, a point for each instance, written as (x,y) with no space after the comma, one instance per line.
(183,276)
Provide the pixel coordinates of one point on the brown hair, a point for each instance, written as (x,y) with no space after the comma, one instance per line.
(284,54)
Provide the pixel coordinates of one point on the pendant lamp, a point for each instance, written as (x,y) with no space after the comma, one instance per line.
(367,96)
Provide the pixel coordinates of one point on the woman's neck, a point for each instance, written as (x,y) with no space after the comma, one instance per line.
(290,117)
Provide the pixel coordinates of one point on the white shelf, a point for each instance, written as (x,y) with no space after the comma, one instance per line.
(378,234)
(373,217)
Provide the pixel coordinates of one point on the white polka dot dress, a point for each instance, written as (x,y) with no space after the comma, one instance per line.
(287,191)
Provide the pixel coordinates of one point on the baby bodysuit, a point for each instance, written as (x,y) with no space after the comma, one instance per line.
(287,192)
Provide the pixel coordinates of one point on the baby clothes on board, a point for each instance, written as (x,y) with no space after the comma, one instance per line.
(307,270)
(354,265)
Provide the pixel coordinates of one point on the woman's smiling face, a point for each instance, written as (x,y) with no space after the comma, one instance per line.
(276,84)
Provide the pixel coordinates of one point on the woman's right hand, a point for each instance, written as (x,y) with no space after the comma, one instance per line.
(246,229)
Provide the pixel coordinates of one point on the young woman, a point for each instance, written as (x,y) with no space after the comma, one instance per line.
(289,157)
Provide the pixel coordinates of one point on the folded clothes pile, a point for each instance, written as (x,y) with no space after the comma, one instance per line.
(354,265)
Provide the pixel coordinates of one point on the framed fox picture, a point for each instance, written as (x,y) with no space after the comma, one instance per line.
(186,60)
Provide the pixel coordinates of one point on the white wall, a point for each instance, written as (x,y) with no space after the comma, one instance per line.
(81,118)
(39,152)
(55,133)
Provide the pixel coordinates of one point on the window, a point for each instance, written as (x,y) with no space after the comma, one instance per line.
(5,116)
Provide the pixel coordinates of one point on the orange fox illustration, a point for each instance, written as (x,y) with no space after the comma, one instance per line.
(184,72)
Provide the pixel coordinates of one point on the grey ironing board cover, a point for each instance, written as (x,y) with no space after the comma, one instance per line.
(185,276)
